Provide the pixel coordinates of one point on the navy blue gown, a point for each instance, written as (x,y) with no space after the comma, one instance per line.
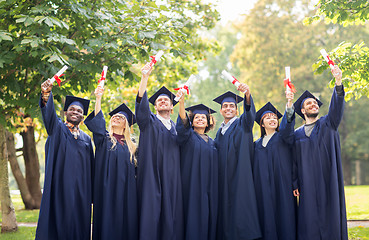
(272,170)
(65,211)
(237,216)
(158,178)
(322,209)
(115,194)
(199,172)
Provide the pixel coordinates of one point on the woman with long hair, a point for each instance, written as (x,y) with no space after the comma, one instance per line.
(272,172)
(114,196)
(199,171)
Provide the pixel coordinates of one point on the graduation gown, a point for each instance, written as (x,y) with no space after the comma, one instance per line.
(237,216)
(115,194)
(322,210)
(65,211)
(199,172)
(272,170)
(158,178)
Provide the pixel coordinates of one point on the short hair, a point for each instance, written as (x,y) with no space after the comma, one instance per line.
(208,118)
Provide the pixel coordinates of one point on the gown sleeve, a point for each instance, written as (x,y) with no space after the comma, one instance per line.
(142,111)
(96,124)
(49,115)
(183,132)
(336,107)
(286,129)
(248,116)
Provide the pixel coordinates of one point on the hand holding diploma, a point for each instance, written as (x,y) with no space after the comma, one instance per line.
(185,88)
(232,79)
(154,59)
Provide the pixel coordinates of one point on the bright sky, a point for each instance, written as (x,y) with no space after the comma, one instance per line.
(232,9)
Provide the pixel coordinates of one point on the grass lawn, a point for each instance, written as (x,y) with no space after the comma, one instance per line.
(357,199)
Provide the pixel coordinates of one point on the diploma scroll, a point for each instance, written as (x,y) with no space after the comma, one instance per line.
(103,76)
(327,59)
(287,82)
(185,88)
(57,76)
(154,59)
(231,78)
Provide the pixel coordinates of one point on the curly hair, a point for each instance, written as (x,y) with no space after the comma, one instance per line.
(209,118)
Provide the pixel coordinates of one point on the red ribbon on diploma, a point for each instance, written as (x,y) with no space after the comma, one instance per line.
(287,82)
(153,59)
(234,81)
(330,62)
(102,77)
(58,79)
(185,87)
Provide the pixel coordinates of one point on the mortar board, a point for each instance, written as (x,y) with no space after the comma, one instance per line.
(123,109)
(163,91)
(267,108)
(81,102)
(228,97)
(200,109)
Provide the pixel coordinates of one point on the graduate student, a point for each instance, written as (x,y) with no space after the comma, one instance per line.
(115,195)
(237,216)
(319,180)
(272,171)
(158,172)
(65,211)
(199,171)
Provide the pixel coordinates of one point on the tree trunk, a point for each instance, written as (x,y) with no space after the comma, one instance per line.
(32,165)
(358,172)
(9,222)
(27,199)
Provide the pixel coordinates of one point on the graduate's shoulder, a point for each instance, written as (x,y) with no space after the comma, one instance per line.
(84,136)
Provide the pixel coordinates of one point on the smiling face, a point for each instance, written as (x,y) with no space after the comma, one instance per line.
(270,121)
(200,121)
(310,108)
(118,120)
(228,110)
(163,103)
(74,114)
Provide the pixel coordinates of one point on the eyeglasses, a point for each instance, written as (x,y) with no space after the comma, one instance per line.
(120,117)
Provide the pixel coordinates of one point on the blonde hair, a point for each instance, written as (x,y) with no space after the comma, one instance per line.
(132,147)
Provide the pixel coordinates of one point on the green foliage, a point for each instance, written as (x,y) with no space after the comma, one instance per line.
(353,59)
(39,37)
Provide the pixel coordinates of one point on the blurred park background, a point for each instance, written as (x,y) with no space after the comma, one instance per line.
(254,40)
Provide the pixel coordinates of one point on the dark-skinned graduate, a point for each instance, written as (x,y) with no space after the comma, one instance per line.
(318,180)
(65,211)
(272,171)
(115,195)
(158,171)
(237,214)
(199,170)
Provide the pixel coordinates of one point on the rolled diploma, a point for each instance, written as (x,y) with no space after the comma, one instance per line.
(288,76)
(326,58)
(187,84)
(232,79)
(61,71)
(156,58)
(105,69)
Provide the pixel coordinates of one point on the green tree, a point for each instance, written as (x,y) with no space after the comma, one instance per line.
(39,37)
(352,57)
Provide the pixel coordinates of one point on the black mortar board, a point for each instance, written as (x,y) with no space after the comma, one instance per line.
(300,101)
(72,100)
(228,97)
(267,108)
(123,109)
(200,109)
(163,91)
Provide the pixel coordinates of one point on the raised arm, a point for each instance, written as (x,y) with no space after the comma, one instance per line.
(183,124)
(248,117)
(337,104)
(288,121)
(99,91)
(144,79)
(47,107)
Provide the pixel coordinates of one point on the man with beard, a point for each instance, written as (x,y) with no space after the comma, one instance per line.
(158,172)
(318,179)
(65,211)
